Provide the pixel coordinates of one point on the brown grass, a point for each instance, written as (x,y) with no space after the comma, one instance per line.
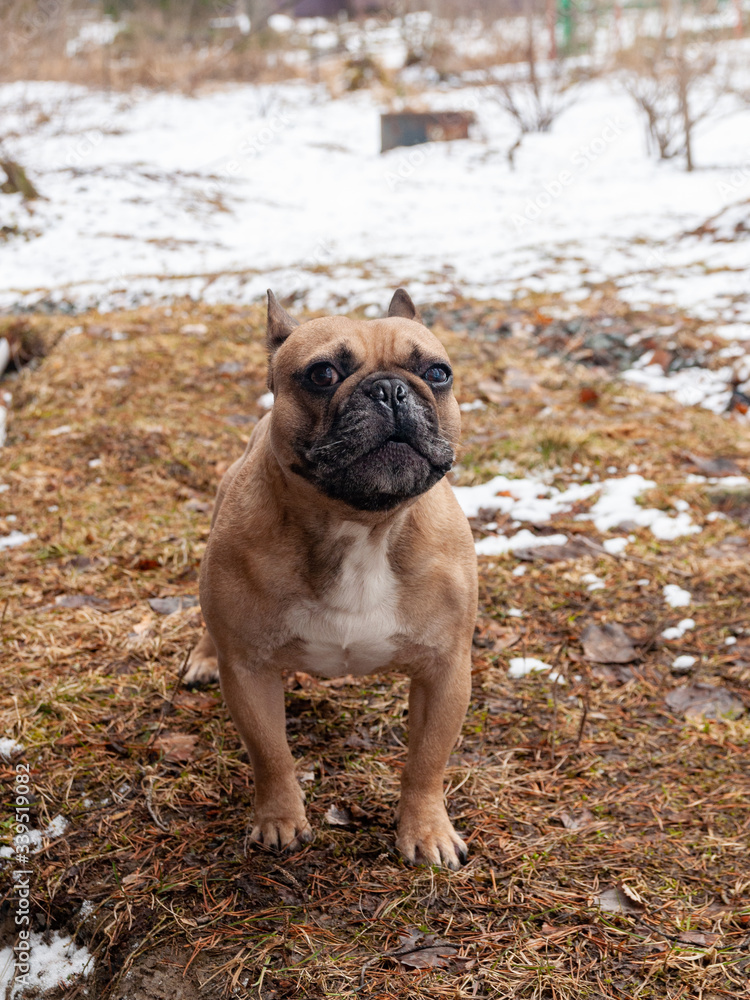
(157,839)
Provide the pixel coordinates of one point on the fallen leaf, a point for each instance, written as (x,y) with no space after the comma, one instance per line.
(620,899)
(588,396)
(577,822)
(423,951)
(573,549)
(698,937)
(428,958)
(704,701)
(338,817)
(77,601)
(731,547)
(146,564)
(168,605)
(495,637)
(608,644)
(194,701)
(714,467)
(177,747)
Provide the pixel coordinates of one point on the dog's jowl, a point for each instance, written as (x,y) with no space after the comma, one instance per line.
(337,547)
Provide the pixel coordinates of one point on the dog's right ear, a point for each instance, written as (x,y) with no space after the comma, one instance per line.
(279,324)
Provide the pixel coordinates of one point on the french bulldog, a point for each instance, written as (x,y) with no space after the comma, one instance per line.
(337,547)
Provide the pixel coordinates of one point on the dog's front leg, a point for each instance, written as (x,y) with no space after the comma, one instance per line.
(255,698)
(437,705)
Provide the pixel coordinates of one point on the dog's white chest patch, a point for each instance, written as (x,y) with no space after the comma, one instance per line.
(352,628)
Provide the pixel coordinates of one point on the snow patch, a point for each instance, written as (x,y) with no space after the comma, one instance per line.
(675,596)
(15,538)
(9,747)
(521,666)
(53,964)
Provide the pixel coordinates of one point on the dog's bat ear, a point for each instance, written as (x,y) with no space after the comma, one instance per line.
(402,305)
(279,325)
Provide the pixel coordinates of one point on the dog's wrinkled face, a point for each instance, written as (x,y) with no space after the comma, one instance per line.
(364,410)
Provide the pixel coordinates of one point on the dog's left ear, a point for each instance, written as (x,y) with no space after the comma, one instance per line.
(279,325)
(402,305)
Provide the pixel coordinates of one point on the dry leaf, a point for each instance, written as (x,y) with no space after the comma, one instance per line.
(338,817)
(81,601)
(620,899)
(608,644)
(176,747)
(168,605)
(577,822)
(573,549)
(428,958)
(704,701)
(423,951)
(714,467)
(698,938)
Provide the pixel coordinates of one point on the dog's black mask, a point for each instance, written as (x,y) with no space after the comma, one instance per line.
(383,448)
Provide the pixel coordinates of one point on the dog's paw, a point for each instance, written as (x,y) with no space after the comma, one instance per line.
(426,837)
(203,665)
(281,832)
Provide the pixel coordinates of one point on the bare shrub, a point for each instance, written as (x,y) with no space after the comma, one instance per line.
(676,83)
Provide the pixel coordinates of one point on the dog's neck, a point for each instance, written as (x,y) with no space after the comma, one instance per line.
(312,510)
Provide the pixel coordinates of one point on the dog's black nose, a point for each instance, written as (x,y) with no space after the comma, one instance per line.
(391,392)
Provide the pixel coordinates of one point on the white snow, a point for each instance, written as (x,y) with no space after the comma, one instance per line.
(219,194)
(15,538)
(593,582)
(55,964)
(532,500)
(520,570)
(495,545)
(690,386)
(475,404)
(675,596)
(677,631)
(515,613)
(615,545)
(730,640)
(9,747)
(265,402)
(683,662)
(520,666)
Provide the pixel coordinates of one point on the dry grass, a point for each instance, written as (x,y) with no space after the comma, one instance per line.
(563,793)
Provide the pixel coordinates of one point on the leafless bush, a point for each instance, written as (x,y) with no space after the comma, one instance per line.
(675,84)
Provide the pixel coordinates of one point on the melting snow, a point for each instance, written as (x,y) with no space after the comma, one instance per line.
(520,666)
(536,502)
(14,538)
(51,965)
(495,545)
(677,631)
(9,747)
(675,596)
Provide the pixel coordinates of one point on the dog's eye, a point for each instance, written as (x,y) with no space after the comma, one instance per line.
(323,374)
(437,375)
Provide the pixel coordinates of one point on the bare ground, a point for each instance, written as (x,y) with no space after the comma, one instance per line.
(609,835)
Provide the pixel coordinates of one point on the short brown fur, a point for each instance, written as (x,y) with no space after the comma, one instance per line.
(279,548)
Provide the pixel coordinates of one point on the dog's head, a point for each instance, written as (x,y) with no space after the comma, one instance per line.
(364,410)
